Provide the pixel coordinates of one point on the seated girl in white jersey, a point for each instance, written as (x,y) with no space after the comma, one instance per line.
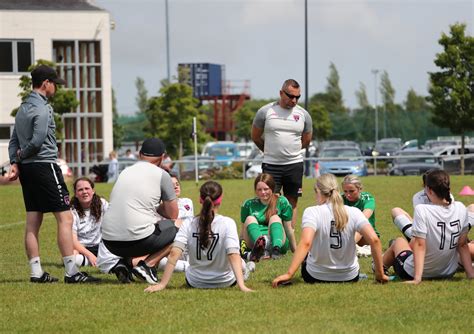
(439,232)
(213,244)
(266,221)
(327,249)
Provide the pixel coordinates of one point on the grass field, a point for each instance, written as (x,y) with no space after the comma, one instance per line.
(433,306)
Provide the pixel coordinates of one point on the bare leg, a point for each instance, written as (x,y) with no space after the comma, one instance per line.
(65,243)
(294,202)
(33,224)
(398,246)
(153,259)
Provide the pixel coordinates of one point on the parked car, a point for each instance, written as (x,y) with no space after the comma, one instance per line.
(387,146)
(342,161)
(414,162)
(224,152)
(98,173)
(451,158)
(435,145)
(245,149)
(335,143)
(185,168)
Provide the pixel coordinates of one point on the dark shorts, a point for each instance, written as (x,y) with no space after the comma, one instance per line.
(43,187)
(311,280)
(93,249)
(398,265)
(290,177)
(163,236)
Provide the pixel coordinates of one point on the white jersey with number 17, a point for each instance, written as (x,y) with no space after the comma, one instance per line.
(209,267)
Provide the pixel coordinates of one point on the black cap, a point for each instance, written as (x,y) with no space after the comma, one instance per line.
(43,72)
(153,147)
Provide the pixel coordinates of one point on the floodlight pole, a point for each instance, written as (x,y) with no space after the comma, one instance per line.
(375,72)
(167,43)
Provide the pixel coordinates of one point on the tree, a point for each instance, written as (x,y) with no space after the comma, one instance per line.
(170,117)
(361,96)
(243,117)
(321,123)
(142,95)
(331,99)
(64,101)
(118,131)
(452,87)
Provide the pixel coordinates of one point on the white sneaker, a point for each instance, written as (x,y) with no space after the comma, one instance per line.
(363,251)
(247,269)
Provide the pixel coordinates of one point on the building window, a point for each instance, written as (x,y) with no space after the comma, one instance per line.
(17,56)
(5,131)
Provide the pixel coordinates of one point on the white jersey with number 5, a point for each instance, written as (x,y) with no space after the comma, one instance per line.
(209,267)
(332,256)
(441,227)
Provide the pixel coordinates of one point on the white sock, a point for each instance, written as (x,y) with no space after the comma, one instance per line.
(70,265)
(82,260)
(180,266)
(35,265)
(404,224)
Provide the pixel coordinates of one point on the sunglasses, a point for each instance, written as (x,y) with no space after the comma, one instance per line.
(291,97)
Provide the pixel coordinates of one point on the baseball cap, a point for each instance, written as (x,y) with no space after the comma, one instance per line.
(43,72)
(153,147)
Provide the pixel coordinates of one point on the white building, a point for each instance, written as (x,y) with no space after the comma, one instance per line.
(75,34)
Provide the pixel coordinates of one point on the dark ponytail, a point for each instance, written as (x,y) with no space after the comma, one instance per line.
(438,182)
(210,194)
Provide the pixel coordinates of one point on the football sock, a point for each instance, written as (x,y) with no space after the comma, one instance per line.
(70,265)
(276,234)
(253,231)
(35,265)
(82,260)
(180,266)
(404,224)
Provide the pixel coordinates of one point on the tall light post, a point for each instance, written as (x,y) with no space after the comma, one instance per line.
(375,72)
(167,43)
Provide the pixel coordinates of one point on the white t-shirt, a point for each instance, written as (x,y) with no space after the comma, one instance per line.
(87,228)
(332,256)
(283,129)
(134,200)
(441,228)
(209,268)
(421,198)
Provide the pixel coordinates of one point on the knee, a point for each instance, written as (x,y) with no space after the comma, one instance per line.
(274,219)
(470,208)
(397,212)
(250,220)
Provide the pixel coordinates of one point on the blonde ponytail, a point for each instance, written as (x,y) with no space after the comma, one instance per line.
(328,187)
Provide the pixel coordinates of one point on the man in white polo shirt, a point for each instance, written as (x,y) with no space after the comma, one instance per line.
(142,193)
(281,130)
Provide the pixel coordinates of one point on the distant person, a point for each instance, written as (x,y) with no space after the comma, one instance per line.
(281,130)
(167,163)
(326,251)
(142,195)
(362,200)
(129,154)
(439,232)
(33,153)
(265,219)
(113,168)
(213,244)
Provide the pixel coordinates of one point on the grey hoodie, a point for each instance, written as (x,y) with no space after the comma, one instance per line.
(34,132)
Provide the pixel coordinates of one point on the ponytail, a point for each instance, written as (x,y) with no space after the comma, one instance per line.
(210,198)
(327,185)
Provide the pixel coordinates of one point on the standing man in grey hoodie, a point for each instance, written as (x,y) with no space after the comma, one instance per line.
(33,152)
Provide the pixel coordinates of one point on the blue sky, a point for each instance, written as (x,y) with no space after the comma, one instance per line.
(263,41)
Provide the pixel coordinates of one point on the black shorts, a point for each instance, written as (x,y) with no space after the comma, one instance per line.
(398,265)
(164,234)
(290,177)
(311,280)
(43,187)
(93,249)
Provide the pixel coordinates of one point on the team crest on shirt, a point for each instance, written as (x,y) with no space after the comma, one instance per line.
(66,200)
(187,207)
(296,117)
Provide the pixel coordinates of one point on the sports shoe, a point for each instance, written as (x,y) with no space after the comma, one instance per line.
(81,277)
(45,278)
(258,249)
(385,269)
(122,272)
(145,273)
(363,251)
(247,269)
(276,253)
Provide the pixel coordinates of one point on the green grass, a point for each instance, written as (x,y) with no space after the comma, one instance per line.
(434,306)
